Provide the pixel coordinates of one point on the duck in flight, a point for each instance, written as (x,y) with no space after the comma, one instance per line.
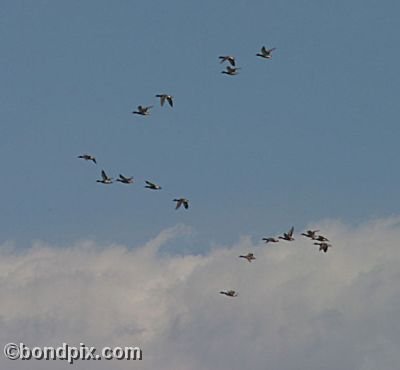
(228,58)
(229,293)
(180,202)
(310,233)
(232,71)
(270,240)
(87,157)
(168,98)
(143,111)
(320,238)
(125,180)
(249,257)
(266,53)
(152,186)
(323,246)
(288,236)
(104,178)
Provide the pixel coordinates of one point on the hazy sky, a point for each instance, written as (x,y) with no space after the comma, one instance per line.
(297,309)
(308,138)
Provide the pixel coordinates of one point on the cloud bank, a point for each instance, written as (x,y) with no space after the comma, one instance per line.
(297,308)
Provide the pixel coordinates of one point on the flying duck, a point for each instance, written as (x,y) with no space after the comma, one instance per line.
(265,53)
(249,257)
(164,97)
(229,293)
(87,157)
(181,201)
(288,236)
(231,70)
(310,233)
(152,186)
(125,180)
(323,246)
(104,178)
(228,58)
(143,111)
(270,240)
(320,238)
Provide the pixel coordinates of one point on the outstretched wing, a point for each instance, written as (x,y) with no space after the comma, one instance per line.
(170,101)
(178,203)
(104,175)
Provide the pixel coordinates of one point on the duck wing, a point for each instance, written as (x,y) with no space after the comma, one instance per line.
(179,202)
(170,101)
(162,100)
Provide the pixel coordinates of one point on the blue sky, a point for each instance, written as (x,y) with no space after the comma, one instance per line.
(311,134)
(308,138)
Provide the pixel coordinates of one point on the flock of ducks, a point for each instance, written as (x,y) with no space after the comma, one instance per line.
(231,69)
(319,240)
(105,179)
(145,111)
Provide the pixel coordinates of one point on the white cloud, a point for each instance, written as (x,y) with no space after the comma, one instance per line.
(297,308)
